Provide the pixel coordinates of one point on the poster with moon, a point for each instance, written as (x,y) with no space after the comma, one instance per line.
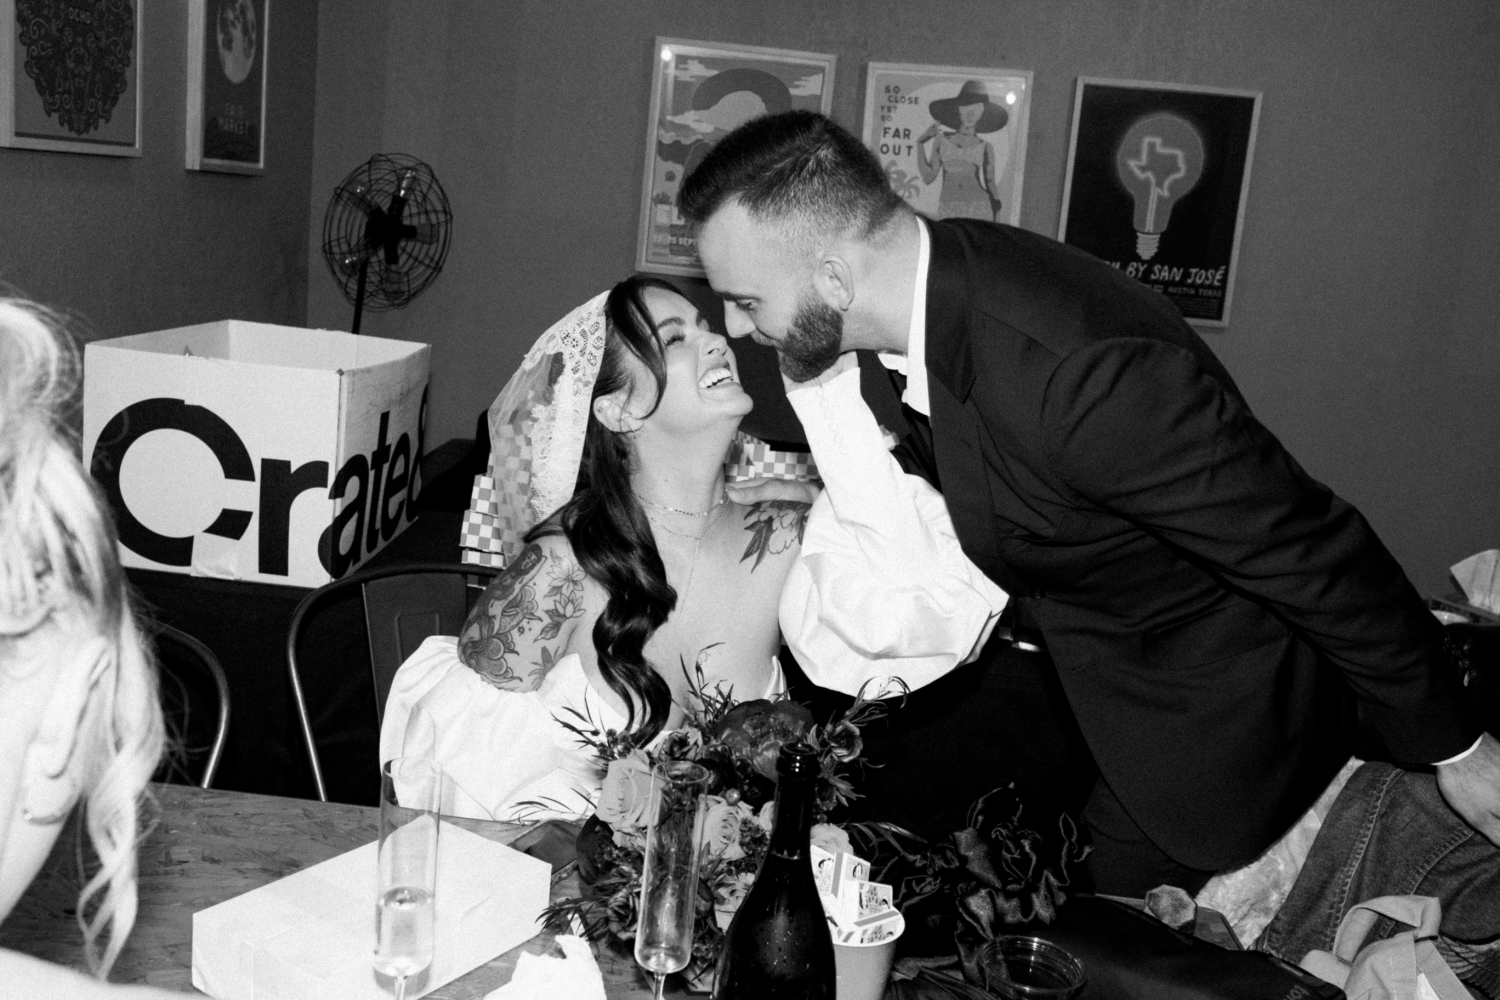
(1156,184)
(952,140)
(70,75)
(227,85)
(700,92)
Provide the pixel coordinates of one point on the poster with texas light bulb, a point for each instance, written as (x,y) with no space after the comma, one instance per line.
(1157,178)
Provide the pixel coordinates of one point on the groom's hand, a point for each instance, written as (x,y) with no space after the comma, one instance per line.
(1472,787)
(846,361)
(753,491)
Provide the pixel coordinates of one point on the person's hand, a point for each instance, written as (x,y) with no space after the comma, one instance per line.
(1472,787)
(933,131)
(751,491)
(846,361)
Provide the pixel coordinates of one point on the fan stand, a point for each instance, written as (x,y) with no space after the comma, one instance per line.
(359,294)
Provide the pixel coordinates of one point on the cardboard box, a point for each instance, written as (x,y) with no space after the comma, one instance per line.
(312,934)
(247,451)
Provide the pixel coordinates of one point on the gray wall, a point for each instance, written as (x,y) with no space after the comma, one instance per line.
(130,245)
(1365,327)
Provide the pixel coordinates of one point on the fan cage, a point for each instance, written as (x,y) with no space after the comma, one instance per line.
(371,187)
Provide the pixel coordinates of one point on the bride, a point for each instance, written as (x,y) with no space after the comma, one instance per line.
(611,441)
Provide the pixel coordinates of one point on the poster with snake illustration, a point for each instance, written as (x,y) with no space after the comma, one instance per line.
(1156,184)
(952,140)
(70,75)
(700,92)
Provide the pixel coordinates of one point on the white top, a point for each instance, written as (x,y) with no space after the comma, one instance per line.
(507,752)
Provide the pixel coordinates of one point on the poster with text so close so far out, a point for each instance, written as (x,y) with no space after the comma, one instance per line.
(1156,185)
(700,92)
(952,140)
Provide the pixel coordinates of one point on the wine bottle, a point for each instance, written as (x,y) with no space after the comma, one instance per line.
(778,944)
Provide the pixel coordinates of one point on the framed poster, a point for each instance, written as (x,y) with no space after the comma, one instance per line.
(70,75)
(1156,184)
(952,140)
(226,91)
(700,92)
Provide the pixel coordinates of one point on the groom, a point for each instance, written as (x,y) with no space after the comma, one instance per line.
(1223,625)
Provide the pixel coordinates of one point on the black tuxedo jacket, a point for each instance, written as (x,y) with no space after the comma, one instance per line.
(1219,619)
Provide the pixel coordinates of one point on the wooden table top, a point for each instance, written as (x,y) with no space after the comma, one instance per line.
(210,846)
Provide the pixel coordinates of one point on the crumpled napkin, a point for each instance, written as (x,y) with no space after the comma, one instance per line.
(541,977)
(1479,578)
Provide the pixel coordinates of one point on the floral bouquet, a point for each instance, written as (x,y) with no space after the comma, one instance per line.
(738,744)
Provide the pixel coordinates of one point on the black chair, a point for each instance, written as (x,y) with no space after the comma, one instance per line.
(176,649)
(403,605)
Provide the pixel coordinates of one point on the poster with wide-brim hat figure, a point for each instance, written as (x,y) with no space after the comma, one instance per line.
(952,139)
(700,92)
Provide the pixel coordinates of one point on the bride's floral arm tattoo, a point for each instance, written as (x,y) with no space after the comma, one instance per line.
(774,526)
(503,638)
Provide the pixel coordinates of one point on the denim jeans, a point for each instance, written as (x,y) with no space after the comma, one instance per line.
(1391,833)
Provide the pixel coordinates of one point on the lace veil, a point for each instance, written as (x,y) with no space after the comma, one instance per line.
(538,421)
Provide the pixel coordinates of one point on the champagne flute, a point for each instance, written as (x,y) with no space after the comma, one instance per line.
(406,869)
(669,878)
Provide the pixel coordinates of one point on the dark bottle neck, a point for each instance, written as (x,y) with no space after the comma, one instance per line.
(794,811)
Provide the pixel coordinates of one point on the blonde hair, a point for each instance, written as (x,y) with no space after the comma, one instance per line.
(58,558)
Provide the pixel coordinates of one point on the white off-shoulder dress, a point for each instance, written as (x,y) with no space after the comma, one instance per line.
(507,752)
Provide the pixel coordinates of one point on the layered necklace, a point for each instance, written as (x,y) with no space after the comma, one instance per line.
(709,519)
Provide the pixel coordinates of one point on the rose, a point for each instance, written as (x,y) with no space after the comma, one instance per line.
(727,899)
(721,829)
(831,838)
(767,816)
(626,792)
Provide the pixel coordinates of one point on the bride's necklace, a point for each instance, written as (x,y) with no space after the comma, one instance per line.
(697,540)
(679,510)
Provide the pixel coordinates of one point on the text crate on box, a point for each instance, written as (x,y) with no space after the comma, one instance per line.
(248,451)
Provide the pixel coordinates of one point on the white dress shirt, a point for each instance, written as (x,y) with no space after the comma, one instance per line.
(882,589)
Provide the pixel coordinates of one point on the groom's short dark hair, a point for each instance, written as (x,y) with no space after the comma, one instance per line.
(797,168)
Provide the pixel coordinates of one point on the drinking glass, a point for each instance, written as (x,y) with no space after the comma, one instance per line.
(406,869)
(1019,967)
(669,878)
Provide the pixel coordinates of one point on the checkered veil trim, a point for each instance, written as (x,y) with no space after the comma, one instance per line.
(752,458)
(491,527)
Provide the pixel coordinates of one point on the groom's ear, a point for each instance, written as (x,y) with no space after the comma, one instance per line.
(834,281)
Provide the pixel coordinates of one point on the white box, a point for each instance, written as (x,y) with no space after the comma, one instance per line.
(237,450)
(312,934)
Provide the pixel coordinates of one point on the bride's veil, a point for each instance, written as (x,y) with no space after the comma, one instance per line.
(538,421)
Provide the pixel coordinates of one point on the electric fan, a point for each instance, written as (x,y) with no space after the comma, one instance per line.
(386,232)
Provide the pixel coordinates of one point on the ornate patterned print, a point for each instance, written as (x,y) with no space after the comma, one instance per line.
(78,54)
(774,526)
(509,612)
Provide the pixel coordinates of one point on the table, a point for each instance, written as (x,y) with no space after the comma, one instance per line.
(211,845)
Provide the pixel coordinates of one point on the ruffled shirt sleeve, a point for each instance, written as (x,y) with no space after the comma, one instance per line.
(882,589)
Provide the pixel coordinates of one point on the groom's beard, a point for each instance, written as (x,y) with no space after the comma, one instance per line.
(813,342)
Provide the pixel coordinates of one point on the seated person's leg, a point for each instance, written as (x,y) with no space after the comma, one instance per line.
(1391,833)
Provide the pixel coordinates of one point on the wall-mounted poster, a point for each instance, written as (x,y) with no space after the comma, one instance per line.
(1156,184)
(226,92)
(700,92)
(70,75)
(952,140)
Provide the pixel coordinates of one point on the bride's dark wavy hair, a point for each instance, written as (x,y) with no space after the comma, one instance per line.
(606,526)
